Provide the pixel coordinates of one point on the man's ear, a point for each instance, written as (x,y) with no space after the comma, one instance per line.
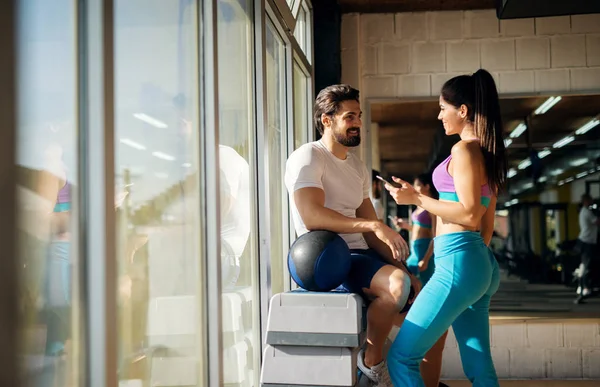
(325,120)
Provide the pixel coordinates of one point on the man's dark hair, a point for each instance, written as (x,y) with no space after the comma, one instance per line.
(329,100)
(586,197)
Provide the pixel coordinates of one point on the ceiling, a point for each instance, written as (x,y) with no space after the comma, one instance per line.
(408,132)
(383,6)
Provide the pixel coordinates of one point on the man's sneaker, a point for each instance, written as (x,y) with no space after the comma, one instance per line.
(378,375)
(578,290)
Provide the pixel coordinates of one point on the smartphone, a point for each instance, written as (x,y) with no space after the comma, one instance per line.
(384,180)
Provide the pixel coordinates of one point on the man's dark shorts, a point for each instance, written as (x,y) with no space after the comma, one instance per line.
(365,263)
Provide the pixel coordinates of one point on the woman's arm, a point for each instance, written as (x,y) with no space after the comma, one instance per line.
(466,172)
(487,222)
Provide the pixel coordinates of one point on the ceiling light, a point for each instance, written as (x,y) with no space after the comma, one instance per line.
(132,144)
(587,127)
(579,162)
(528,185)
(592,170)
(544,153)
(543,179)
(150,120)
(518,130)
(524,164)
(570,179)
(163,156)
(507,142)
(580,175)
(556,172)
(512,173)
(561,183)
(563,142)
(514,201)
(547,105)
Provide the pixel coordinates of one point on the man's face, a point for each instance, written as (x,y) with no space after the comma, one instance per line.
(346,124)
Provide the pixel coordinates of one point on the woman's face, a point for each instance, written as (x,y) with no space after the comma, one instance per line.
(452,118)
(421,188)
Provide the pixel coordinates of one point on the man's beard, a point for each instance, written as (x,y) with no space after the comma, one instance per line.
(347,140)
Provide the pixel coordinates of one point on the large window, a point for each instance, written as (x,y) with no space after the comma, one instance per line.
(276,140)
(237,163)
(302,122)
(157,192)
(140,178)
(47,169)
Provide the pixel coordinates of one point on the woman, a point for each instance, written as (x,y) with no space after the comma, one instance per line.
(421,233)
(466,275)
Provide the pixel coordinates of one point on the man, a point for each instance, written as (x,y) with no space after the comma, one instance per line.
(588,235)
(329,190)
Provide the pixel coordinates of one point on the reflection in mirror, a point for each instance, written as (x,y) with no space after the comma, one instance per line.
(47,170)
(553,145)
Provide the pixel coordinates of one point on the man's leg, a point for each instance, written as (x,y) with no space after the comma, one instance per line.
(389,289)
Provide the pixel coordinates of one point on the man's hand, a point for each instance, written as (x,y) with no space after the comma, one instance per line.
(394,240)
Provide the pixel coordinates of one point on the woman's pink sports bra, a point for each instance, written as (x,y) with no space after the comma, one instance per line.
(444,183)
(422,219)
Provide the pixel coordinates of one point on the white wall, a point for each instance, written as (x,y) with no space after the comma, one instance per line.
(413,54)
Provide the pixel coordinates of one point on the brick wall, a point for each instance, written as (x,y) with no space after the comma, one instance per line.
(413,54)
(536,350)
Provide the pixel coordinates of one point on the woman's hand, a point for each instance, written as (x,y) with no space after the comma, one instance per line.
(422,265)
(404,193)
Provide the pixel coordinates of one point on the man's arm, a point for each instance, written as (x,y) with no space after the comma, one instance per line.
(310,203)
(367,211)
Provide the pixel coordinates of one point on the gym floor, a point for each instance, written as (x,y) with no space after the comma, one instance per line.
(531,383)
(519,299)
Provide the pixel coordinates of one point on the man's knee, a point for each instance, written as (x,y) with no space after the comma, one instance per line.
(392,285)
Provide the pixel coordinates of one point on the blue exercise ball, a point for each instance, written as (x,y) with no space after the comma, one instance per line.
(319,261)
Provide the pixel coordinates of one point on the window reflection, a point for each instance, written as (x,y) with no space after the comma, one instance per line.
(239,258)
(301,113)
(47,178)
(276,155)
(157,190)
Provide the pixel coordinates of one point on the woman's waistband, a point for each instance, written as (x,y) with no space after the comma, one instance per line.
(457,241)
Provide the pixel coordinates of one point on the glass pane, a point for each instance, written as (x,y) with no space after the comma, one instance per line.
(157,193)
(239,257)
(301,125)
(47,180)
(276,155)
(300,29)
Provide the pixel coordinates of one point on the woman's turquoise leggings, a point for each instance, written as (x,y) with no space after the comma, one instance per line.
(458,295)
(418,248)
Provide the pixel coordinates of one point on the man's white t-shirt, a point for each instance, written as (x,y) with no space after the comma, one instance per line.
(345,183)
(588,229)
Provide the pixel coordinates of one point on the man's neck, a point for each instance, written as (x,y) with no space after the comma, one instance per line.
(337,149)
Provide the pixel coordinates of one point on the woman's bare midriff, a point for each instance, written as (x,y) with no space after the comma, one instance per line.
(445,227)
(419,232)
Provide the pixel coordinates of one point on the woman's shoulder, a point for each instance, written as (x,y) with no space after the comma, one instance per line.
(466,149)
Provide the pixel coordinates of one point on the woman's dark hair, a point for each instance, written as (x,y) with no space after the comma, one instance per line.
(329,100)
(426,179)
(479,94)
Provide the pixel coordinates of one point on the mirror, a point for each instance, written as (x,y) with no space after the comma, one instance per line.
(553,145)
